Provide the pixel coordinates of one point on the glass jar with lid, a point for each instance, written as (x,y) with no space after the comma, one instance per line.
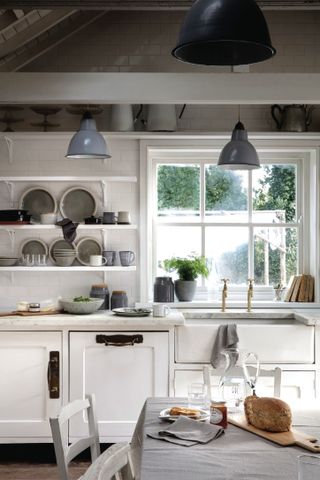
(119,299)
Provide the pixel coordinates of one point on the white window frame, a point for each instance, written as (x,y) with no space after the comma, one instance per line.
(166,151)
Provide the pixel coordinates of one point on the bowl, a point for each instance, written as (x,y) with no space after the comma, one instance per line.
(64,261)
(48,218)
(81,308)
(8,261)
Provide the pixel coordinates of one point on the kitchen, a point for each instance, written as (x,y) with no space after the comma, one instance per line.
(125,60)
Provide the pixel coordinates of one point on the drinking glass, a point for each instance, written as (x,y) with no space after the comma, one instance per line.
(308,467)
(197,395)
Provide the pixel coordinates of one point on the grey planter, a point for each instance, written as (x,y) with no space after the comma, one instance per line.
(185,290)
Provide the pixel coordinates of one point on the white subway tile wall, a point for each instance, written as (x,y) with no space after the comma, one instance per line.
(36,156)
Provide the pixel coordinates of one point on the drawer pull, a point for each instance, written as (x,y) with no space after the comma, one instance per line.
(119,340)
(53,375)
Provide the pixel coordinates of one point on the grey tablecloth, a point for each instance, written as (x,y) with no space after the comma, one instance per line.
(237,455)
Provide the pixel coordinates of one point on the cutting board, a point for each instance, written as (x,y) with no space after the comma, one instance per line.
(29,314)
(285,439)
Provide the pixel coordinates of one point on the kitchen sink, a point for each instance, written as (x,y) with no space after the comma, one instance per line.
(252,318)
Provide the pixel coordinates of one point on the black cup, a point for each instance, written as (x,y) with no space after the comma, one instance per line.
(109,217)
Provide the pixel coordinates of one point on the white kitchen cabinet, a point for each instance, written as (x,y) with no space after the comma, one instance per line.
(294,384)
(30,366)
(121,377)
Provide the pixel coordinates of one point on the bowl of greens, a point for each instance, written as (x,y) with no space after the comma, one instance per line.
(81,305)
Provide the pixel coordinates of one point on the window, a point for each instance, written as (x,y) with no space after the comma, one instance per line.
(246,224)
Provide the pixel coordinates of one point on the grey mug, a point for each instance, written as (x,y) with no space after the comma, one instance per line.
(126,258)
(110,256)
(109,217)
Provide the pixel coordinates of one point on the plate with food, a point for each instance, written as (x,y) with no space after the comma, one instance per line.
(132,312)
(173,413)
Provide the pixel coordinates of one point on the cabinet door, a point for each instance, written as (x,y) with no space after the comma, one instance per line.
(120,377)
(25,405)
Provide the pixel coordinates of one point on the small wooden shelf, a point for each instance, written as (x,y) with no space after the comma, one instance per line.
(111,178)
(56,227)
(68,269)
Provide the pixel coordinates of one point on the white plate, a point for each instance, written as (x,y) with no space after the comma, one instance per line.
(165,415)
(78,203)
(87,246)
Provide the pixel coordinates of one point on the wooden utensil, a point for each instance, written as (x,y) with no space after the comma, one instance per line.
(29,314)
(286,439)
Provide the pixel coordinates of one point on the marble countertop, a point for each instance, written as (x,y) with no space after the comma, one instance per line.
(99,319)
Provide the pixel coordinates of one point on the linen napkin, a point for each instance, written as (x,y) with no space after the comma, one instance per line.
(188,432)
(69,230)
(227,337)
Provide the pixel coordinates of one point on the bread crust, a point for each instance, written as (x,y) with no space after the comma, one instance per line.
(269,414)
(187,412)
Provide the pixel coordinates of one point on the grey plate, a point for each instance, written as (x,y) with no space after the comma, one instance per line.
(77,204)
(60,243)
(132,312)
(38,200)
(34,246)
(87,246)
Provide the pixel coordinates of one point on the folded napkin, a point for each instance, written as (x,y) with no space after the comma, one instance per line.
(69,230)
(188,432)
(227,337)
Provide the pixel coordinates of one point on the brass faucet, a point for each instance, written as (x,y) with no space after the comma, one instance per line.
(250,294)
(224,293)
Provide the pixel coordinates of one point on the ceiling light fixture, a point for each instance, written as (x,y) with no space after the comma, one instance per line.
(224,32)
(87,142)
(239,153)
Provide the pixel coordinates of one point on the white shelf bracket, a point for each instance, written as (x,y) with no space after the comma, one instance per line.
(11,235)
(104,239)
(104,193)
(10,188)
(9,143)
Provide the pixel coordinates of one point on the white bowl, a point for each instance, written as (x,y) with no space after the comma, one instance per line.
(48,218)
(81,308)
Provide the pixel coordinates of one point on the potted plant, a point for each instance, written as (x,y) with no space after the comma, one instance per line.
(188,269)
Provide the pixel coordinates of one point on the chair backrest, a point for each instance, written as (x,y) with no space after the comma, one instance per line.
(115,464)
(275,374)
(59,428)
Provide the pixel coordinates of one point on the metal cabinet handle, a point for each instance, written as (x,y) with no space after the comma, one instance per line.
(53,375)
(119,340)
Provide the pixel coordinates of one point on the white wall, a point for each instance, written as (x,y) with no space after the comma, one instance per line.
(38,156)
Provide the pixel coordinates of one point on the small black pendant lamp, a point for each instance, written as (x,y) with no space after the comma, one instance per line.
(224,32)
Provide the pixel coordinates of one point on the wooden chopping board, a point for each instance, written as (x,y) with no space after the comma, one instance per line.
(29,314)
(285,439)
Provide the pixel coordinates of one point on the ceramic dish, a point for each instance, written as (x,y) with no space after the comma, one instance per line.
(8,261)
(60,243)
(34,246)
(165,415)
(81,308)
(38,200)
(86,247)
(132,312)
(78,203)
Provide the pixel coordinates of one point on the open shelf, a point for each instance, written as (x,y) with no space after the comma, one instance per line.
(68,269)
(57,227)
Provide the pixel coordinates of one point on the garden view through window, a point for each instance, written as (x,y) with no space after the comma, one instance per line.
(244,223)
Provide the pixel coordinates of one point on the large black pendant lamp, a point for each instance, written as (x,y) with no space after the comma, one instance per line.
(224,32)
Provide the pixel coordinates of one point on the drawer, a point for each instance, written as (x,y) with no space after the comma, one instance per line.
(272,343)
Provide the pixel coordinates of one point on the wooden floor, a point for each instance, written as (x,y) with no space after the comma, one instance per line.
(34,471)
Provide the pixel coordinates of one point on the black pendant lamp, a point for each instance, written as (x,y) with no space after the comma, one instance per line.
(224,32)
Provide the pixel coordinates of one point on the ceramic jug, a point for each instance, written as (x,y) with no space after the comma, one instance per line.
(122,118)
(162,118)
(292,118)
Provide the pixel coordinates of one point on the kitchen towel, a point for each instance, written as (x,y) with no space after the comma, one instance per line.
(227,337)
(69,230)
(188,432)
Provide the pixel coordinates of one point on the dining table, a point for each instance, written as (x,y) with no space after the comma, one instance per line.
(236,455)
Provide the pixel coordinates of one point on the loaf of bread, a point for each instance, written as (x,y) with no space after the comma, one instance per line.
(187,412)
(270,414)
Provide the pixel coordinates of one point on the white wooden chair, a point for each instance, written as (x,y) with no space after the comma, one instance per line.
(104,466)
(275,374)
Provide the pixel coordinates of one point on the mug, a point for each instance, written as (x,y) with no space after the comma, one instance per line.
(109,217)
(48,218)
(160,310)
(126,258)
(110,256)
(124,218)
(97,260)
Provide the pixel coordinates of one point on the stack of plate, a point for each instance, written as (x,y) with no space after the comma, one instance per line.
(8,261)
(64,257)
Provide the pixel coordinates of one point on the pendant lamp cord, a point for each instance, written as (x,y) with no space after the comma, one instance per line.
(239,112)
